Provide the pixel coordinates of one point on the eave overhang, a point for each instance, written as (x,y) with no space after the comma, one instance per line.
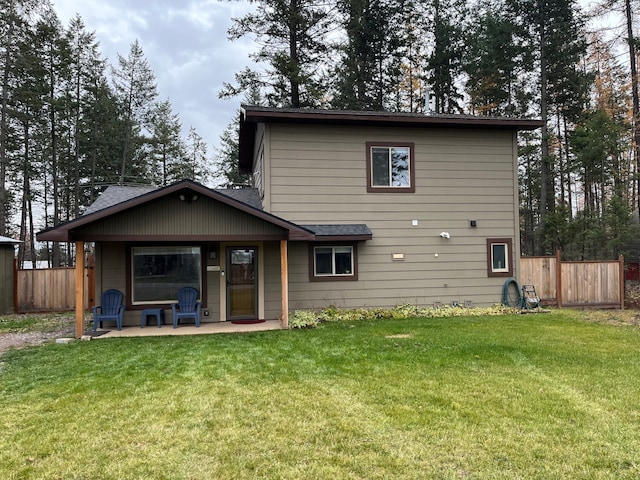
(70,231)
(251,116)
(9,241)
(340,232)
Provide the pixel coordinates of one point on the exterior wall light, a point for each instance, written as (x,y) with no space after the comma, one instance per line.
(188,198)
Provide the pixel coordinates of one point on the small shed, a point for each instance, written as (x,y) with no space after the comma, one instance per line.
(7,272)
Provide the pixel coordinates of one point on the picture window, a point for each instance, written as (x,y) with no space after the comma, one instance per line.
(157,273)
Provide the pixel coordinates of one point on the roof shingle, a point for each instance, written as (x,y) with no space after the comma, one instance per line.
(115,194)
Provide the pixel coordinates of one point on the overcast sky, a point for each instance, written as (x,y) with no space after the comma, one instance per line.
(185,43)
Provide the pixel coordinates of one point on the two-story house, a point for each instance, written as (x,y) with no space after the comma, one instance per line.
(351,209)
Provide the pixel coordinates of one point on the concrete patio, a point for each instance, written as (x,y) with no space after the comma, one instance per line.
(204,329)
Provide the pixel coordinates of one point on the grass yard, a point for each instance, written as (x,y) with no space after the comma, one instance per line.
(526,396)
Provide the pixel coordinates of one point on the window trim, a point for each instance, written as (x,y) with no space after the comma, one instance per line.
(129,274)
(412,175)
(506,272)
(332,278)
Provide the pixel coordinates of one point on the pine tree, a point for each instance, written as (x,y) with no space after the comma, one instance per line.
(167,148)
(410,92)
(292,37)
(195,164)
(85,68)
(494,62)
(370,66)
(14,26)
(227,154)
(32,130)
(553,30)
(624,35)
(445,63)
(53,50)
(135,88)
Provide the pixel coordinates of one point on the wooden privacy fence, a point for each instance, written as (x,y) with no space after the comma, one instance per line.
(565,284)
(52,289)
(575,284)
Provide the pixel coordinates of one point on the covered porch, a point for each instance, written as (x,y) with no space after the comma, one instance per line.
(149,243)
(200,234)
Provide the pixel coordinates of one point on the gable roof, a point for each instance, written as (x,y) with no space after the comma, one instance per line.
(251,116)
(115,194)
(124,198)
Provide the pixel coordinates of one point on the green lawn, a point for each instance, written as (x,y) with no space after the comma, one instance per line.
(528,396)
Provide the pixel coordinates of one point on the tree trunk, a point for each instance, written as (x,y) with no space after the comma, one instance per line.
(25,192)
(293,53)
(55,186)
(32,236)
(3,129)
(636,101)
(546,179)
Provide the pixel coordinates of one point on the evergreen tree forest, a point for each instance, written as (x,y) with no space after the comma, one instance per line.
(71,124)
(572,67)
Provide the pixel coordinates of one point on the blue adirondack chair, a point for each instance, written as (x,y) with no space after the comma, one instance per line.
(111,309)
(188,306)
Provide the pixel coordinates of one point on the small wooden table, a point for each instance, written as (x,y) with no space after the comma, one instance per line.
(152,312)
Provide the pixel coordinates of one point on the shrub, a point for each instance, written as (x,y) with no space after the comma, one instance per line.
(311,319)
(303,319)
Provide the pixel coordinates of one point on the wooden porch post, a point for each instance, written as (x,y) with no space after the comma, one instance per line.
(284,283)
(79,289)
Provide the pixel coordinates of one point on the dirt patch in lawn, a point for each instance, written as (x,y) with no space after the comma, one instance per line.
(628,317)
(19,331)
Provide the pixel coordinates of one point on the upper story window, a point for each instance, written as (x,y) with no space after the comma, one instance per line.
(499,257)
(390,167)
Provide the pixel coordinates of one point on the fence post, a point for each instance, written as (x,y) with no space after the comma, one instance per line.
(559,278)
(621,281)
(15,285)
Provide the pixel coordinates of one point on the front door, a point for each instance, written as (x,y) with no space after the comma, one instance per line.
(242,283)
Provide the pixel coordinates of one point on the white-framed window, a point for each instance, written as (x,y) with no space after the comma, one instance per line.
(333,262)
(390,167)
(157,273)
(499,257)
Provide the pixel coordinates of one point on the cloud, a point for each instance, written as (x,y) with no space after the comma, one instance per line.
(185,44)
